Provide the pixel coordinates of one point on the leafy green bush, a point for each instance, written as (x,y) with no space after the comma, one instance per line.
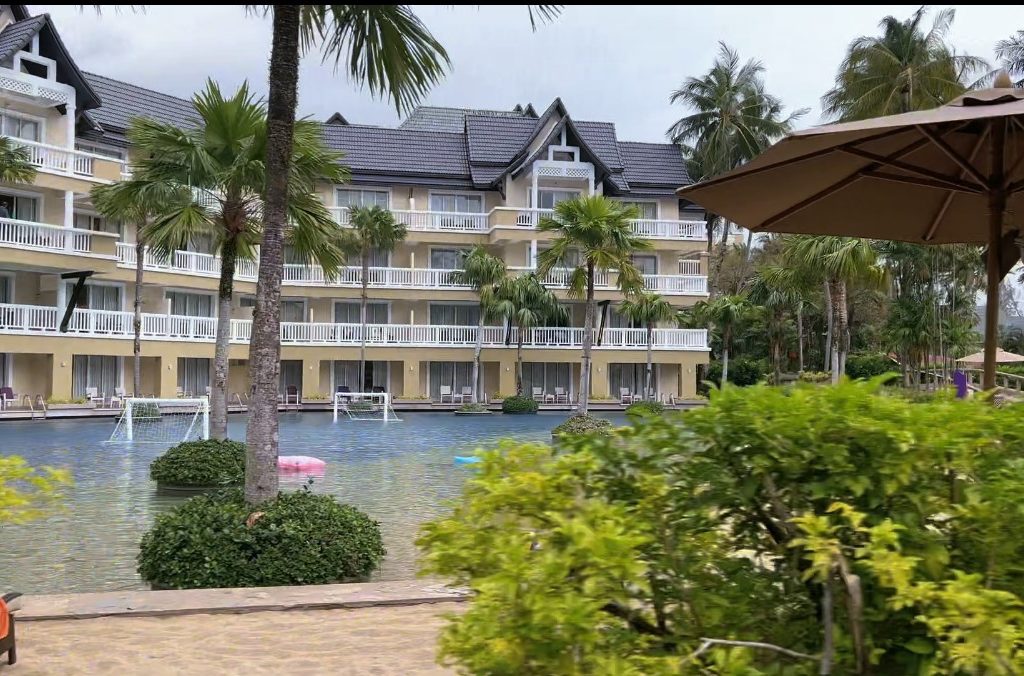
(815,376)
(297,538)
(582,424)
(57,401)
(742,372)
(518,404)
(869,365)
(643,409)
(472,407)
(211,462)
(751,518)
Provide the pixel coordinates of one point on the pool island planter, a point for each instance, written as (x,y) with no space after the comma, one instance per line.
(472,412)
(189,491)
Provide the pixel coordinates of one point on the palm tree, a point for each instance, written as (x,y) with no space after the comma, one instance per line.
(388,49)
(647,310)
(221,161)
(15,164)
(1011,52)
(908,67)
(733,120)
(725,315)
(483,272)
(842,261)
(525,303)
(779,291)
(598,229)
(139,202)
(372,229)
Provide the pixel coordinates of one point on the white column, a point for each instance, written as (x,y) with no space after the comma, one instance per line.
(412,259)
(533,254)
(70,121)
(412,203)
(69,218)
(62,293)
(534,201)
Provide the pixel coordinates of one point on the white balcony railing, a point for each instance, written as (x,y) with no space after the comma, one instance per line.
(677,285)
(689,267)
(430,221)
(41,320)
(55,159)
(44,237)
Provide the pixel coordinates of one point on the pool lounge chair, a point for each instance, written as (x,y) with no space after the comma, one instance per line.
(446,391)
(7,642)
(625,397)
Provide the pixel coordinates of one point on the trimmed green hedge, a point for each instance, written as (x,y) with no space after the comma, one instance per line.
(211,462)
(519,404)
(869,365)
(583,424)
(644,409)
(298,538)
(472,407)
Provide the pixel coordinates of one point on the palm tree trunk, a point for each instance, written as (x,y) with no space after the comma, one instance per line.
(219,391)
(800,335)
(519,363)
(829,316)
(725,364)
(650,358)
(477,349)
(362,320)
(140,255)
(837,293)
(265,343)
(588,343)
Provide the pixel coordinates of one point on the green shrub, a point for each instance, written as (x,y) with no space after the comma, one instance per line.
(869,365)
(58,400)
(298,538)
(472,407)
(211,462)
(742,372)
(582,424)
(618,553)
(815,376)
(642,409)
(518,404)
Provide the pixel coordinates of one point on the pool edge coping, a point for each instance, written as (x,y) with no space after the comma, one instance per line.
(140,603)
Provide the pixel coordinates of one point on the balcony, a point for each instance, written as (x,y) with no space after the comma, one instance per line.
(79,164)
(29,235)
(36,320)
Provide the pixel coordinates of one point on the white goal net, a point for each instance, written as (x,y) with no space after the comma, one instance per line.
(163,421)
(365,406)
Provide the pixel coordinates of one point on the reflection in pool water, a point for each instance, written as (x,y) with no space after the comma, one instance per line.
(401,474)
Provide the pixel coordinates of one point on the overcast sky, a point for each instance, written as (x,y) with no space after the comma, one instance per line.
(610,64)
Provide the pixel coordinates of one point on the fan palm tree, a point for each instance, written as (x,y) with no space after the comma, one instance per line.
(220,159)
(647,310)
(525,303)
(842,261)
(725,315)
(483,272)
(910,66)
(598,230)
(15,164)
(1011,53)
(372,229)
(138,202)
(388,49)
(733,120)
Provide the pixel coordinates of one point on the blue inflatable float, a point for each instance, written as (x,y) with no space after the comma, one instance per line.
(466,459)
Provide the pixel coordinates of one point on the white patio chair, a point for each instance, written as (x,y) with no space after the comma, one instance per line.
(467,393)
(625,397)
(538,394)
(447,392)
(117,399)
(93,393)
(561,396)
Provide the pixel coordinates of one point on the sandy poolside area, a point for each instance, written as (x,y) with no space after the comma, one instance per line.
(377,640)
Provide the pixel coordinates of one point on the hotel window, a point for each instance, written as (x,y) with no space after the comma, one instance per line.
(454,315)
(348,197)
(103,373)
(190,304)
(447,259)
(563,156)
(346,374)
(97,297)
(547,376)
(347,312)
(16,126)
(105,151)
(293,311)
(646,264)
(5,289)
(547,199)
(648,210)
(193,376)
(630,376)
(291,376)
(463,204)
(454,374)
(21,208)
(95,223)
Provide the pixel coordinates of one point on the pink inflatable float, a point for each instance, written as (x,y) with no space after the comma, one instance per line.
(301,463)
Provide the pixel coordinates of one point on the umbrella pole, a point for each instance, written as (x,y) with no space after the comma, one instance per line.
(996,206)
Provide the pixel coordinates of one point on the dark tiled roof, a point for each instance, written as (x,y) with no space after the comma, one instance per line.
(653,164)
(123,101)
(18,34)
(380,150)
(496,140)
(600,136)
(453,120)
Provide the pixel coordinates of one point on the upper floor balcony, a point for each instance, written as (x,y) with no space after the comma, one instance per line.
(44,320)
(53,159)
(207,265)
(32,236)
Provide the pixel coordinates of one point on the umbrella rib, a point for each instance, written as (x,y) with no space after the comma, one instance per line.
(953,181)
(1020,158)
(922,182)
(941,213)
(954,155)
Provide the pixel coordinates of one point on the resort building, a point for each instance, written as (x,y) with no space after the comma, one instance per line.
(457,178)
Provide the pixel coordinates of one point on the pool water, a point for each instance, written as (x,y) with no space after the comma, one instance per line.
(400,473)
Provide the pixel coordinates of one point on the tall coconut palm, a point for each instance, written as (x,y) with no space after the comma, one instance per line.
(15,164)
(592,235)
(647,310)
(388,49)
(842,261)
(910,66)
(220,159)
(733,119)
(725,315)
(138,202)
(1011,53)
(525,303)
(483,272)
(373,229)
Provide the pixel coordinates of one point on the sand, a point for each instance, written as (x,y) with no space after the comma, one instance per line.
(378,640)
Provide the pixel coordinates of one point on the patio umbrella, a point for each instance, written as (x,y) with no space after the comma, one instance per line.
(1002,357)
(950,174)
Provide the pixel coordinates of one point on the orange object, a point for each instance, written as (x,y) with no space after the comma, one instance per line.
(5,620)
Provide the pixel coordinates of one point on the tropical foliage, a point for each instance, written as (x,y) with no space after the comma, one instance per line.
(524,303)
(483,272)
(27,492)
(647,310)
(15,163)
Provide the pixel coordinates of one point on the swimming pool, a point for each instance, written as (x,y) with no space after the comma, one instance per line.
(401,474)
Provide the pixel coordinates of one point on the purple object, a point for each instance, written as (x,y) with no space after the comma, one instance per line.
(960,381)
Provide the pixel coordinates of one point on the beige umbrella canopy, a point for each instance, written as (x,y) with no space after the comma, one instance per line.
(1002,357)
(950,174)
